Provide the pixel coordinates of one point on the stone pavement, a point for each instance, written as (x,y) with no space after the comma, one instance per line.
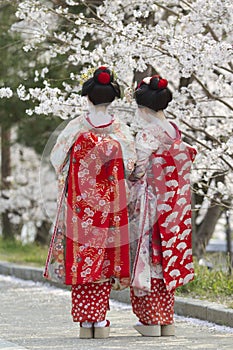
(200,309)
(37,316)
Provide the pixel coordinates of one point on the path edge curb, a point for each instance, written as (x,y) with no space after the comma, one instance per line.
(188,307)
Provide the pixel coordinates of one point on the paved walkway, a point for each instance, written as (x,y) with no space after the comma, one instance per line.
(35,316)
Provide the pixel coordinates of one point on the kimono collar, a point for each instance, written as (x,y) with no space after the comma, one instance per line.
(178,132)
(151,119)
(88,120)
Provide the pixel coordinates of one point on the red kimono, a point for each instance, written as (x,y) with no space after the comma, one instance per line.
(160,224)
(91,235)
(161,221)
(97,220)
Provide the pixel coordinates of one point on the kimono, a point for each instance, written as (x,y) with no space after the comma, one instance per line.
(162,209)
(90,242)
(160,223)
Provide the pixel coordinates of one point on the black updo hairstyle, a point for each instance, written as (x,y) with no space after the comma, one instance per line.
(154,95)
(101,88)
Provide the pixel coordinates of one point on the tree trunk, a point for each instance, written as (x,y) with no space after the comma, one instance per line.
(206,230)
(43,236)
(7,231)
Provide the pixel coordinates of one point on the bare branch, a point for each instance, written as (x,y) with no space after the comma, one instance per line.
(225,68)
(212,138)
(209,94)
(166,9)
(210,30)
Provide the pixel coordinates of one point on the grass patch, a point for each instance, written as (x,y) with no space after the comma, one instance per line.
(14,251)
(212,285)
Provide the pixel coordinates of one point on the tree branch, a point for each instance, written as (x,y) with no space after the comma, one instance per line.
(212,138)
(166,9)
(210,30)
(209,94)
(225,68)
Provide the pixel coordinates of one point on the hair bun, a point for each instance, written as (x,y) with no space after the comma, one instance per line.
(101,87)
(153,93)
(157,83)
(103,75)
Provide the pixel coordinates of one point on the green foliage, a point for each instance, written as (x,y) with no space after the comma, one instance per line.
(213,285)
(17,67)
(14,251)
(13,64)
(34,132)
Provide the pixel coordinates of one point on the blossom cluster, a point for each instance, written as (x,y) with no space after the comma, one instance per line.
(6,92)
(187,43)
(23,200)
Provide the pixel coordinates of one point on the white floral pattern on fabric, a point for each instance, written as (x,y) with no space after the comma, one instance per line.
(159,210)
(60,158)
(157,307)
(117,130)
(90,302)
(149,139)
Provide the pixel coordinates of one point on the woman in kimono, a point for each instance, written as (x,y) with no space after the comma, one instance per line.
(161,214)
(89,249)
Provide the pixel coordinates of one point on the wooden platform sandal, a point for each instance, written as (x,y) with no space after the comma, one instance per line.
(149,330)
(102,332)
(168,330)
(86,332)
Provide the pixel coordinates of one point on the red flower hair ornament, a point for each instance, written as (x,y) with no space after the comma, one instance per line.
(103,75)
(155,82)
(162,84)
(104,78)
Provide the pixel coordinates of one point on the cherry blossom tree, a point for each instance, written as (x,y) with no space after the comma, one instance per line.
(187,42)
(16,65)
(27,209)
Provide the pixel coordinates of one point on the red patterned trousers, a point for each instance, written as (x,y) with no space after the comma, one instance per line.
(90,302)
(157,307)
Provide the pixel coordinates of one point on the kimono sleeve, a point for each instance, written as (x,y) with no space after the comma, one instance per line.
(124,136)
(60,153)
(146,143)
(192,152)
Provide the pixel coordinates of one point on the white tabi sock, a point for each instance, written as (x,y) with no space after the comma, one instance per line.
(100,323)
(87,324)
